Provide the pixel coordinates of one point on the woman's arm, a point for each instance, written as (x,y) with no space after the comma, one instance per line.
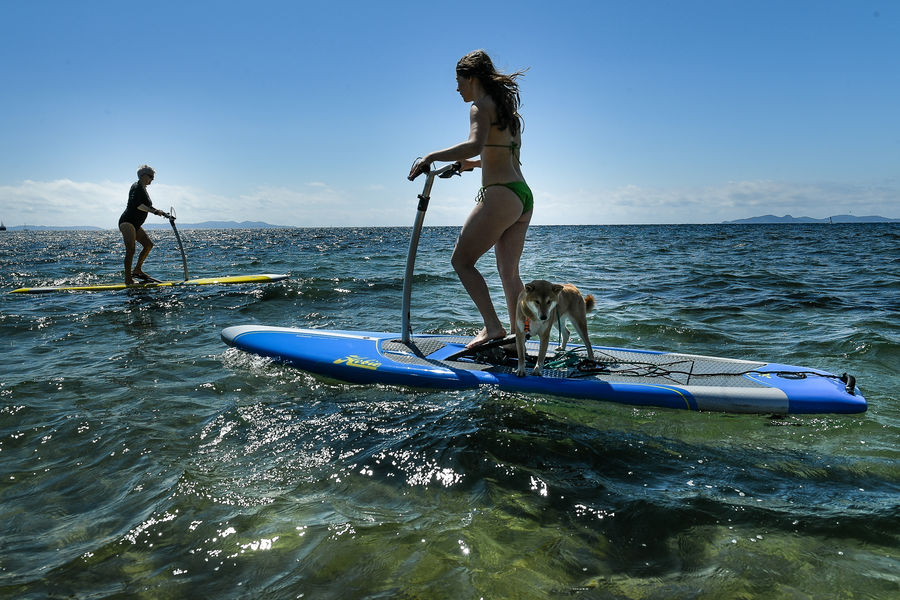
(150,209)
(479,127)
(468,165)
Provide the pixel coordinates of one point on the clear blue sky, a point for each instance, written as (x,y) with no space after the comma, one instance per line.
(310,113)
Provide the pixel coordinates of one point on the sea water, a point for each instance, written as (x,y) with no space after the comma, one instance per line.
(140,457)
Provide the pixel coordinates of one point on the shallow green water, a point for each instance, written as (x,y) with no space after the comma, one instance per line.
(143,458)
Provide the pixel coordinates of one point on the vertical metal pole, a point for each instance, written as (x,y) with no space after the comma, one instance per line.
(180,245)
(424,197)
(444,172)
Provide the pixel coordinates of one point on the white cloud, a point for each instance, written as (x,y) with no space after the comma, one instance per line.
(65,202)
(315,204)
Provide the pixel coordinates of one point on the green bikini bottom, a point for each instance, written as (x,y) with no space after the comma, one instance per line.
(520,188)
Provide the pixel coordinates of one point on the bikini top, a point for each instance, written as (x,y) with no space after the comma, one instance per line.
(513,148)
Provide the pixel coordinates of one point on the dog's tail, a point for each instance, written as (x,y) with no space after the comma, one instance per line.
(589,303)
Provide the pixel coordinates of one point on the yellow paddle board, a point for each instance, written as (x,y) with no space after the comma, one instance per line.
(263,278)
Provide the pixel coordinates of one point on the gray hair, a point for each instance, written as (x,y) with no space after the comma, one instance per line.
(146,170)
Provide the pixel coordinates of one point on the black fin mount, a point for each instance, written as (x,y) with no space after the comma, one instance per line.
(849,383)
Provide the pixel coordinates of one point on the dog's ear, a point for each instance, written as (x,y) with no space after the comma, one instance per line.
(529,287)
(557,288)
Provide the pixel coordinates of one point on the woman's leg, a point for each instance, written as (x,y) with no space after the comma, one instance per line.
(128,235)
(508,251)
(147,246)
(486,224)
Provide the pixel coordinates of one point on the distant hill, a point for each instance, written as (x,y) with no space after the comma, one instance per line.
(52,228)
(772,219)
(164,225)
(763,220)
(215,225)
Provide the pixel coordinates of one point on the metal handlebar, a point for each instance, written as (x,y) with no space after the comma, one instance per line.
(444,172)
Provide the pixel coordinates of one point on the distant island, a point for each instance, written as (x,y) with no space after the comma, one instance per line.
(763,220)
(772,219)
(204,225)
(216,225)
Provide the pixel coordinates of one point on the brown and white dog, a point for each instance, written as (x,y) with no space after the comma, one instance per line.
(542,305)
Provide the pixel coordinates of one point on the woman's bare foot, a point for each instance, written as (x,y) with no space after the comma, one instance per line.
(144,276)
(484,337)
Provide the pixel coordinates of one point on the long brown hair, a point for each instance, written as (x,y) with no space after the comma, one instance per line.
(502,88)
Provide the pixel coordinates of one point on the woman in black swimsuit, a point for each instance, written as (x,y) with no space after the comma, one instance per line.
(131,221)
(504,205)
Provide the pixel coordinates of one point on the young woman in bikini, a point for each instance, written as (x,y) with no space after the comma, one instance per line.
(504,204)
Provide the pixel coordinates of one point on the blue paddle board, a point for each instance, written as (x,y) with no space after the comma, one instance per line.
(638,377)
